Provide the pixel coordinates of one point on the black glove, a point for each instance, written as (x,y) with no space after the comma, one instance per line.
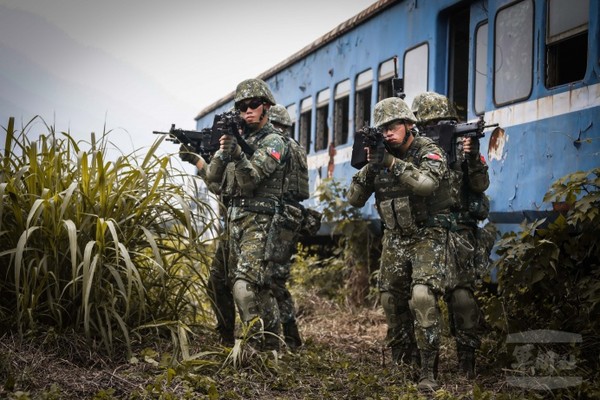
(473,148)
(376,155)
(229,145)
(187,154)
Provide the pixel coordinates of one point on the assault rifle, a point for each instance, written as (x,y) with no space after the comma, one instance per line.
(367,136)
(397,83)
(372,137)
(206,141)
(447,132)
(472,129)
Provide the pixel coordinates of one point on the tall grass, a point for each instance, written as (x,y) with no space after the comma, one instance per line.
(98,246)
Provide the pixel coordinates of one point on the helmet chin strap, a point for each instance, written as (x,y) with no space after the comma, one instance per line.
(254,126)
(407,133)
(264,112)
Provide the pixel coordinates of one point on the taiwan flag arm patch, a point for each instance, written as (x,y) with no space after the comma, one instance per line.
(274,153)
(433,156)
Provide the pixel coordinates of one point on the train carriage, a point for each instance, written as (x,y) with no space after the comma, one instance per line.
(531,66)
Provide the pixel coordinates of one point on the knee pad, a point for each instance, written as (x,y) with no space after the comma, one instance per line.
(388,303)
(464,309)
(246,299)
(423,305)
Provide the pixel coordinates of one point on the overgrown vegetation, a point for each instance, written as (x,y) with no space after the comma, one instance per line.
(549,279)
(97,246)
(102,291)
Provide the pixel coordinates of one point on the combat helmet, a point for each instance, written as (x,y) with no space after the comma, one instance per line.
(431,106)
(392,109)
(279,115)
(253,88)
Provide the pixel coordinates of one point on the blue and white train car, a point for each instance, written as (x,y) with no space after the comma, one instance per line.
(532,66)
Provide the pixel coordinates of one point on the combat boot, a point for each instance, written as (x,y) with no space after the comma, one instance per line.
(427,380)
(291,335)
(226,336)
(466,360)
(407,355)
(270,342)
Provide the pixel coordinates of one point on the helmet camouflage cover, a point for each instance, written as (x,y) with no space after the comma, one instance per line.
(251,88)
(392,109)
(431,106)
(280,115)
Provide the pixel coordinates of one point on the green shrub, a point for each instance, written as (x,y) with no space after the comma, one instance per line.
(344,272)
(549,271)
(96,245)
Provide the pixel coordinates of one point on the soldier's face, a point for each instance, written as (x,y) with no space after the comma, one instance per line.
(394,132)
(251,110)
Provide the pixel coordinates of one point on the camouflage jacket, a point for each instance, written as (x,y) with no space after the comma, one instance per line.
(399,203)
(259,177)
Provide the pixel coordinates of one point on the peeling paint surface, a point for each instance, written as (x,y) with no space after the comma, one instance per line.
(497,141)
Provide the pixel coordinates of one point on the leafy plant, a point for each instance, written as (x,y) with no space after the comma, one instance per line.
(549,271)
(359,241)
(102,246)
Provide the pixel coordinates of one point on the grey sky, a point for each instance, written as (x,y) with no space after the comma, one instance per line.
(191,52)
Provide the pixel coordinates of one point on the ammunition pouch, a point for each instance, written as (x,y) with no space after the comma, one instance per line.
(283,234)
(479,206)
(396,214)
(311,222)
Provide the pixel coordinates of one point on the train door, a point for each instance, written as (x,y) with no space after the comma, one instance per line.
(458,59)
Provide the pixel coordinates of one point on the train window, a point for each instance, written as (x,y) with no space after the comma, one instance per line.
(362,99)
(416,66)
(513,52)
(341,113)
(322,131)
(481,67)
(291,109)
(566,41)
(386,73)
(304,125)
(458,59)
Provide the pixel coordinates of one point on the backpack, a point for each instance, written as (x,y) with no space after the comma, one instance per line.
(297,171)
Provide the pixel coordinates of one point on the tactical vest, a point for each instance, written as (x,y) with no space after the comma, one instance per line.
(407,209)
(272,187)
(297,171)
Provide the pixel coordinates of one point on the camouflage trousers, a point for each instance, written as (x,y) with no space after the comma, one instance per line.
(247,237)
(220,293)
(406,261)
(462,247)
(285,302)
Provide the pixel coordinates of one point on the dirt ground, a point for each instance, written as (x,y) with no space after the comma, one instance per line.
(344,357)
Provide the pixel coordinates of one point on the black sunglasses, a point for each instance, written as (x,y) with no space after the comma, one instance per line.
(253,104)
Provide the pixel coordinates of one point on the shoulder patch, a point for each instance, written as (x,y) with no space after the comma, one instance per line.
(275,146)
(433,156)
(274,153)
(482,159)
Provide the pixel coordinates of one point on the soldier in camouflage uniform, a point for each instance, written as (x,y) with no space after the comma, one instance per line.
(469,171)
(254,186)
(279,117)
(414,199)
(219,286)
